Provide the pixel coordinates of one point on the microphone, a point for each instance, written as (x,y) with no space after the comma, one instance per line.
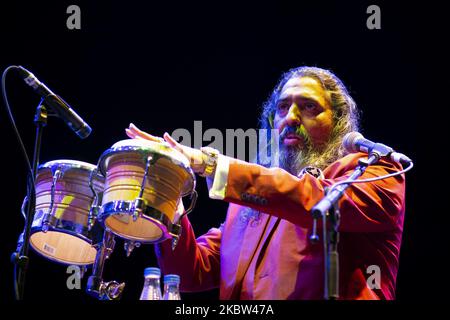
(58,105)
(355,142)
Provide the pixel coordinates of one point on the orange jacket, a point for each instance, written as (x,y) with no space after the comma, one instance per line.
(272,258)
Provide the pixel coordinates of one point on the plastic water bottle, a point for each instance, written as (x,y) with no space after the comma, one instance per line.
(171,287)
(152,287)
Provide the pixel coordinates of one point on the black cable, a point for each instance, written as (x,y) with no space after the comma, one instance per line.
(30,180)
(409,167)
(13,123)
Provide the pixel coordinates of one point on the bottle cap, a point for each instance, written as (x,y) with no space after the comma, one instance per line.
(171,278)
(152,272)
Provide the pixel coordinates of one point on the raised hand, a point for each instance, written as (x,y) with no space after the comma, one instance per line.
(135,133)
(196,157)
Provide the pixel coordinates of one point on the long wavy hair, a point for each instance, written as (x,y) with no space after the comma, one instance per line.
(345,112)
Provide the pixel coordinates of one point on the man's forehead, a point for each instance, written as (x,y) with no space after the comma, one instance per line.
(304,86)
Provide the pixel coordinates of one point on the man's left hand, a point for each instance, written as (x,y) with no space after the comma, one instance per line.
(197,158)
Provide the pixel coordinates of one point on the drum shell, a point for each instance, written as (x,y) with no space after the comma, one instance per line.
(68,239)
(167,181)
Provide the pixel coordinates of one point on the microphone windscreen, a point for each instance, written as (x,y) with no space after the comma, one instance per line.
(349,141)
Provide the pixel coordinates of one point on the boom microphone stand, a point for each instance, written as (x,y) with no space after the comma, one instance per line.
(328,209)
(62,110)
(20,257)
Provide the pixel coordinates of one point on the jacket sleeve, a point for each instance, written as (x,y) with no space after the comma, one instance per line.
(196,261)
(365,207)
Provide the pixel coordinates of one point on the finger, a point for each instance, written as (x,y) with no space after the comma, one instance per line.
(130,133)
(171,141)
(142,134)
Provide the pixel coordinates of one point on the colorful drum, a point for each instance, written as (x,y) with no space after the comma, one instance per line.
(144,182)
(63,229)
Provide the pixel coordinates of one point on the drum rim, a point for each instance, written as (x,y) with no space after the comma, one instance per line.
(67,224)
(183,162)
(75,164)
(114,207)
(60,261)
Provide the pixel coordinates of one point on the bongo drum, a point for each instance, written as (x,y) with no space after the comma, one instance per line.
(144,182)
(63,229)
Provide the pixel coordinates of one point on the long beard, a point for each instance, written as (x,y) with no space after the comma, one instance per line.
(294,158)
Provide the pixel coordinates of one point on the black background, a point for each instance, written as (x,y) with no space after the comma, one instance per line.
(164,65)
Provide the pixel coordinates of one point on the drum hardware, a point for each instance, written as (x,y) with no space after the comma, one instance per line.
(83,270)
(138,207)
(47,221)
(176,229)
(96,287)
(92,217)
(24,207)
(144,181)
(111,290)
(95,208)
(142,187)
(139,202)
(47,217)
(130,245)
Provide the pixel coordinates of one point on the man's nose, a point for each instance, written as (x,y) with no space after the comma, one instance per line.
(293,116)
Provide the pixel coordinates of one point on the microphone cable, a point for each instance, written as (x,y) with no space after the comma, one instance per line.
(30,180)
(411,165)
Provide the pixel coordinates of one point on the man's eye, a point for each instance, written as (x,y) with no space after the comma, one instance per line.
(309,106)
(282,107)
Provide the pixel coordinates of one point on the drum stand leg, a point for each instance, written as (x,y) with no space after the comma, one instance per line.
(111,290)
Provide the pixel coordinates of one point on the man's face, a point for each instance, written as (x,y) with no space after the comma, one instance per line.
(303,114)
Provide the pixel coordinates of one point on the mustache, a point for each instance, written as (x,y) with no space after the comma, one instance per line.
(288,130)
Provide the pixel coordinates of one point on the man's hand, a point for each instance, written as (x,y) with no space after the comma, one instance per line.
(196,157)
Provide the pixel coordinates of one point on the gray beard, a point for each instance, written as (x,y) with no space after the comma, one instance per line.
(294,158)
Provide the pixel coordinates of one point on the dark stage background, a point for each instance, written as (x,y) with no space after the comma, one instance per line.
(164,65)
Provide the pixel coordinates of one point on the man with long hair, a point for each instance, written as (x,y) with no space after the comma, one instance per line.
(263,249)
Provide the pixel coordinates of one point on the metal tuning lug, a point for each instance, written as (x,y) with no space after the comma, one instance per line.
(175,232)
(138,207)
(92,216)
(83,270)
(48,221)
(129,246)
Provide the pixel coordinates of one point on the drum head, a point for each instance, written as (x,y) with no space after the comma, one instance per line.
(65,164)
(167,155)
(141,230)
(63,248)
